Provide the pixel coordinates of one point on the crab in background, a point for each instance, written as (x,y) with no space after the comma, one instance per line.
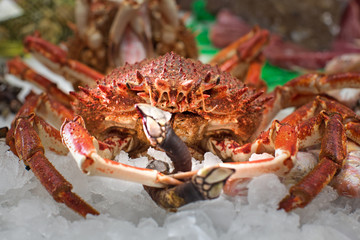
(110,33)
(244,58)
(186,108)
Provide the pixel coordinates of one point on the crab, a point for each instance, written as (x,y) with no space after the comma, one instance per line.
(244,58)
(110,33)
(187,108)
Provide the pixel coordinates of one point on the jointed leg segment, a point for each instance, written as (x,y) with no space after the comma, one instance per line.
(82,146)
(322,121)
(23,139)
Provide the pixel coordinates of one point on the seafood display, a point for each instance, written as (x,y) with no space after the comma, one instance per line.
(168,101)
(109,34)
(148,91)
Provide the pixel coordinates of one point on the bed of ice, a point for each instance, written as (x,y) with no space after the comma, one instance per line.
(27,211)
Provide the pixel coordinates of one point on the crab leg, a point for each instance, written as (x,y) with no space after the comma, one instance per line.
(18,68)
(159,132)
(83,148)
(205,184)
(170,11)
(302,89)
(347,181)
(119,27)
(29,149)
(246,49)
(308,133)
(31,152)
(286,140)
(307,121)
(82,10)
(252,78)
(24,139)
(332,155)
(141,26)
(48,108)
(281,140)
(131,48)
(56,59)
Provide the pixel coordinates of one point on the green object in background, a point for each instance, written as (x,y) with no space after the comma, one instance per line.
(275,76)
(199,11)
(10,48)
(201,23)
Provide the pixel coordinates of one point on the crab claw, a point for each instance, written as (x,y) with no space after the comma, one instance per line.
(158,130)
(206,184)
(210,181)
(155,122)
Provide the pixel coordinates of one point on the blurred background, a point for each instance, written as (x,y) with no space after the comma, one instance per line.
(312,24)
(21,18)
(304,35)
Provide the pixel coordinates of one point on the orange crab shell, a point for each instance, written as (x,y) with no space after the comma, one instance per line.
(200,97)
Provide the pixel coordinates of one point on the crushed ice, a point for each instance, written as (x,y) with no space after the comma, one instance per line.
(28,212)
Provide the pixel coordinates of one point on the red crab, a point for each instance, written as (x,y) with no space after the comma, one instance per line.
(169,101)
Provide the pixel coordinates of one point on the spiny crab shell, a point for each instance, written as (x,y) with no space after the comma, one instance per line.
(203,101)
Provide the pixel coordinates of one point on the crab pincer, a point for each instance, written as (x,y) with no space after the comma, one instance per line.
(204,184)
(158,130)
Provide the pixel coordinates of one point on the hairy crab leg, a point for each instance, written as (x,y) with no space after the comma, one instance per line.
(82,147)
(205,184)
